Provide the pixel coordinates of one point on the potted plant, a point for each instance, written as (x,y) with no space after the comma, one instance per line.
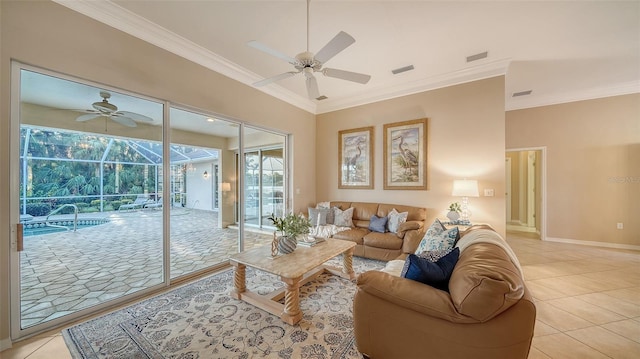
(290,226)
(454,211)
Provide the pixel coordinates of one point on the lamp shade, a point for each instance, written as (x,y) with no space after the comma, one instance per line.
(465,188)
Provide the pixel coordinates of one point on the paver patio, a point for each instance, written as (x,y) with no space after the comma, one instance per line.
(68,271)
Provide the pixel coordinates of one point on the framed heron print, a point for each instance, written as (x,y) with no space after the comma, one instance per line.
(405,155)
(355,158)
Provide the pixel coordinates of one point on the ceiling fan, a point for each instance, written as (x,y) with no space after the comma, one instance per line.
(308,63)
(108,110)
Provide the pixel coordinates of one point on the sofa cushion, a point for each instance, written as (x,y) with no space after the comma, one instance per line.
(485,282)
(435,274)
(382,240)
(343,218)
(378,224)
(354,235)
(364,211)
(395,220)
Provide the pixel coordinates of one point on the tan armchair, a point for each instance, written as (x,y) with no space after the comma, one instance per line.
(488,313)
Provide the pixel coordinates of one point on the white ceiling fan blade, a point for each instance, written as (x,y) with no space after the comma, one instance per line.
(275,78)
(347,75)
(87,117)
(337,44)
(264,48)
(312,87)
(135,116)
(123,120)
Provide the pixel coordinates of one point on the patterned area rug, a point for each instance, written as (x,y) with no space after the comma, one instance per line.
(201,320)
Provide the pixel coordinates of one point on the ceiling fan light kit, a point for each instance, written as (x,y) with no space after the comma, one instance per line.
(307,63)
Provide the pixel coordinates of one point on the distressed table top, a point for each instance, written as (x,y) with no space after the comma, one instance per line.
(294,264)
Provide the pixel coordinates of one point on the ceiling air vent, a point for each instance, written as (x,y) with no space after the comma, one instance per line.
(323,97)
(402,69)
(476,57)
(521,93)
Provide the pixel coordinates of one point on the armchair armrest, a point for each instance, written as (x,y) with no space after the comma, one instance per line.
(404,227)
(410,294)
(411,233)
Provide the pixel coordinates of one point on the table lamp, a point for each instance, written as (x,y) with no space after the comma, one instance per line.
(465,189)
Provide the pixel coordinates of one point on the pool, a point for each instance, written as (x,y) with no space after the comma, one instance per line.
(36,227)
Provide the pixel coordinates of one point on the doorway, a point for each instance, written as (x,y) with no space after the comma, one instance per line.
(525,190)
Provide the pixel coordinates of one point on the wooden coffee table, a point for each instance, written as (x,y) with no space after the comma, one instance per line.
(295,269)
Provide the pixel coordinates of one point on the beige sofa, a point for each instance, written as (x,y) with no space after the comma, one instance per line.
(383,246)
(488,312)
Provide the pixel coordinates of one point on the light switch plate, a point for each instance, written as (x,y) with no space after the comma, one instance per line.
(488,193)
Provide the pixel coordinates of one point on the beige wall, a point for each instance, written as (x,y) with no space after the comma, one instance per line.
(465,139)
(51,36)
(593,166)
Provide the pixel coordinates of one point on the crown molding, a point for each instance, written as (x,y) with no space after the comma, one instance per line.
(124,20)
(625,88)
(475,73)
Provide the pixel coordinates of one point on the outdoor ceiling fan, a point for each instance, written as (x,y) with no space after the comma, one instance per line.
(308,63)
(108,110)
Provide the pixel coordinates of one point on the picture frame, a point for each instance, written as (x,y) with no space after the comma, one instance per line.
(355,158)
(405,155)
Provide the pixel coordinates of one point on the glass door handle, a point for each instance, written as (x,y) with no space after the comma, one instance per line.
(19,237)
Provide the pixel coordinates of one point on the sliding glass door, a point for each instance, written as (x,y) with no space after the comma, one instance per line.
(109,206)
(87,176)
(264,174)
(202,172)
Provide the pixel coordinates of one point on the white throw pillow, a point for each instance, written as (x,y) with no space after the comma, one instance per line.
(342,218)
(322,205)
(318,216)
(395,220)
(438,238)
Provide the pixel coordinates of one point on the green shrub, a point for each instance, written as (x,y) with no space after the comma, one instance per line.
(81,205)
(38,209)
(96,203)
(115,205)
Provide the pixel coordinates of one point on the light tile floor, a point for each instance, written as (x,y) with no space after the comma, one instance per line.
(588,301)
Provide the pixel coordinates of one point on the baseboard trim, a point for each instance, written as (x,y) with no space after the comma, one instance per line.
(520,228)
(594,243)
(5,344)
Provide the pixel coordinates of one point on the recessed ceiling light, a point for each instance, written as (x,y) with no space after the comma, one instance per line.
(479,56)
(211,119)
(522,93)
(402,69)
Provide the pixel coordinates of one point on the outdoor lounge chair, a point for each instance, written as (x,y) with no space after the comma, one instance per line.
(140,201)
(153,204)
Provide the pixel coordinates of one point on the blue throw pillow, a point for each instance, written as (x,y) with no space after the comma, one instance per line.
(378,224)
(435,274)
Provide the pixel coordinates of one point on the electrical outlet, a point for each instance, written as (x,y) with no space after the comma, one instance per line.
(620,226)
